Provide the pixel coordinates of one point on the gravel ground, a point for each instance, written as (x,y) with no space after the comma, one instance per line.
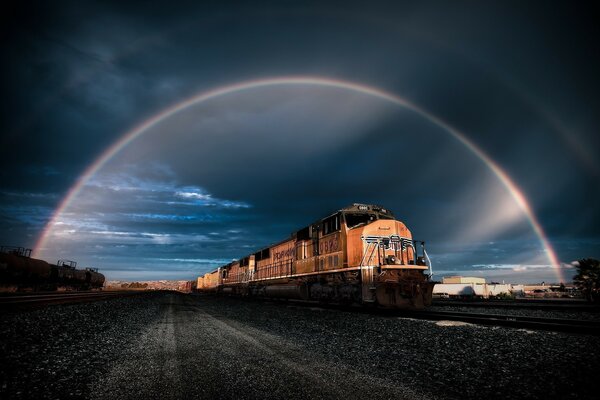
(53,353)
(521,312)
(180,346)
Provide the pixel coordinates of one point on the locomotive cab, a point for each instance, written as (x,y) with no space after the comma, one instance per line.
(395,271)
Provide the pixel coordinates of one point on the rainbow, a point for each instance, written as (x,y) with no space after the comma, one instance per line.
(139,130)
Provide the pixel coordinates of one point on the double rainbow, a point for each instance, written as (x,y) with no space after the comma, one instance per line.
(139,130)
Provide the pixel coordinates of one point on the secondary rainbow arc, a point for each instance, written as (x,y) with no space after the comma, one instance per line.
(139,130)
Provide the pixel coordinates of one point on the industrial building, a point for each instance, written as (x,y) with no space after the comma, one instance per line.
(463,279)
(462,286)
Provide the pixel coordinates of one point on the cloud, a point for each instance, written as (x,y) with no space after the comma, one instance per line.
(204,261)
(204,199)
(254,166)
(193,195)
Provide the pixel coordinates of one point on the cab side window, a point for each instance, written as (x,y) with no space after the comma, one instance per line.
(331,224)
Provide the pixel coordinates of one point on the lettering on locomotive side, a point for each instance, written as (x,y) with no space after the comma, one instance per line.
(329,245)
(282,254)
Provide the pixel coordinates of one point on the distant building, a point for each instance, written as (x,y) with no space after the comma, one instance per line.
(468,286)
(463,279)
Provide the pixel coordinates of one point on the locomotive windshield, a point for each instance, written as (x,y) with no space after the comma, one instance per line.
(354,220)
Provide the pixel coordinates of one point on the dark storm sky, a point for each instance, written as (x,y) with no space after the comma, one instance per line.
(519,79)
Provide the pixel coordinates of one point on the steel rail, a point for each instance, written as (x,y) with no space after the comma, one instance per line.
(524,304)
(591,327)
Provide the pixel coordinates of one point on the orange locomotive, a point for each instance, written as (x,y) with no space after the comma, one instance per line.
(360,254)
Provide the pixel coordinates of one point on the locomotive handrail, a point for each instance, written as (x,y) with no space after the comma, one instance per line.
(428,262)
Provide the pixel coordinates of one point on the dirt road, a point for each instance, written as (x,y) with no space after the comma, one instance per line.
(193,351)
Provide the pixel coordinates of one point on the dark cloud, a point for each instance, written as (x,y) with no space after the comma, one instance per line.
(230,175)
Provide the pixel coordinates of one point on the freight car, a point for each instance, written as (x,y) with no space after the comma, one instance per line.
(358,255)
(19,271)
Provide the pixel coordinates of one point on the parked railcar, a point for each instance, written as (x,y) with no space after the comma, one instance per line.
(19,271)
(359,254)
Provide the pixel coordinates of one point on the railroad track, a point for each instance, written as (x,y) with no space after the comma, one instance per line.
(590,327)
(528,304)
(37,300)
(577,326)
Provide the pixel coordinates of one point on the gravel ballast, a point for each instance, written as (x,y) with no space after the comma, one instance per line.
(188,346)
(55,352)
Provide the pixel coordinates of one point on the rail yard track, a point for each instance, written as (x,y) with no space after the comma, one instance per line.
(557,305)
(590,327)
(567,325)
(21,301)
